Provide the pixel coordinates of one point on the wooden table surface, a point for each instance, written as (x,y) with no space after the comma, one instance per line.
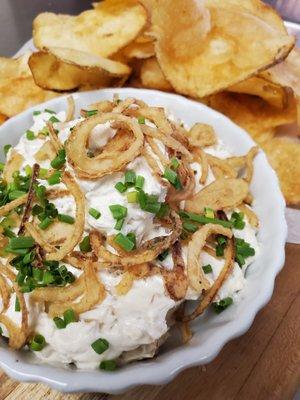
(263,364)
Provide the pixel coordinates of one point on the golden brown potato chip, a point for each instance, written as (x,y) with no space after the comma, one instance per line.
(271,92)
(102,31)
(219,52)
(151,76)
(3,118)
(67,69)
(252,113)
(139,50)
(15,67)
(284,156)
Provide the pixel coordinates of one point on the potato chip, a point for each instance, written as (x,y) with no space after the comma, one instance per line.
(252,113)
(66,69)
(139,50)
(219,52)
(3,118)
(151,76)
(15,67)
(284,156)
(102,31)
(272,93)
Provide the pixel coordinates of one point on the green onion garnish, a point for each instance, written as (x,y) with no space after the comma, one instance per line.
(131,236)
(124,242)
(118,211)
(100,345)
(48,278)
(162,256)
(37,343)
(175,163)
(222,304)
(43,173)
(170,175)
(207,268)
(2,165)
(85,245)
(163,211)
(17,305)
(202,219)
(90,113)
(237,219)
(36,112)
(28,170)
(53,119)
(209,212)
(54,178)
(66,218)
(8,233)
(139,182)
(120,187)
(130,178)
(22,242)
(141,120)
(108,365)
(59,322)
(119,224)
(46,223)
(242,250)
(30,135)
(94,213)
(40,192)
(69,316)
(189,227)
(132,197)
(15,194)
(47,110)
(59,160)
(6,149)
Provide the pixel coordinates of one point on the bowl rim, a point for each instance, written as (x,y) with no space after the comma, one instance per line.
(153,372)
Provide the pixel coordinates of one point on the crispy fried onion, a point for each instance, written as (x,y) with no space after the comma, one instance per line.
(187,180)
(57,145)
(17,334)
(93,293)
(220,194)
(201,158)
(13,164)
(146,253)
(30,197)
(210,294)
(70,109)
(5,292)
(106,162)
(13,204)
(220,167)
(68,246)
(197,279)
(201,135)
(45,152)
(240,163)
(176,281)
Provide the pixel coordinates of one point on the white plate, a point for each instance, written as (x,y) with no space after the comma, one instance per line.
(211,331)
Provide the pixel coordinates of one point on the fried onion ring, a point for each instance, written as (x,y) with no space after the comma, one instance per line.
(96,167)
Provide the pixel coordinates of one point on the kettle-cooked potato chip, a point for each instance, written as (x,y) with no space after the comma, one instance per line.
(215,45)
(15,67)
(151,76)
(67,69)
(3,118)
(102,31)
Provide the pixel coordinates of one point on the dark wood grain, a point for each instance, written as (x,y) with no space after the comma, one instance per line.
(263,364)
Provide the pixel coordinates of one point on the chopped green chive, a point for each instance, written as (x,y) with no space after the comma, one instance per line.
(124,242)
(40,192)
(120,187)
(54,178)
(28,170)
(8,233)
(22,242)
(202,219)
(6,149)
(132,197)
(66,218)
(44,131)
(189,227)
(43,173)
(30,135)
(141,120)
(237,219)
(221,243)
(15,194)
(85,245)
(119,224)
(175,163)
(69,316)
(222,304)
(2,165)
(90,113)
(131,236)
(59,160)
(59,322)
(108,365)
(243,250)
(207,268)
(48,278)
(162,256)
(170,175)
(100,345)
(139,182)
(47,110)
(130,178)
(118,211)
(163,211)
(17,305)
(53,119)
(36,112)
(209,212)
(46,223)
(37,343)
(94,213)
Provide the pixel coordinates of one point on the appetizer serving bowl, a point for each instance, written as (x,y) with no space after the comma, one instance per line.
(211,331)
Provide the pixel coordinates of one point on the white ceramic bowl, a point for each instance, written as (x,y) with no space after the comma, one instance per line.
(211,331)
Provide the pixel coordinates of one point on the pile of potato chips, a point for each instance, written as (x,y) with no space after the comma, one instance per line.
(235,56)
